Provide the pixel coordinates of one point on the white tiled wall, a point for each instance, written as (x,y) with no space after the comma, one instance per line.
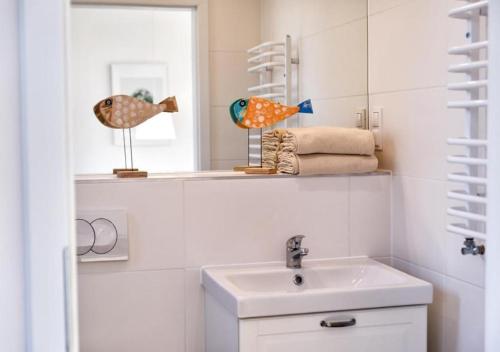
(234,28)
(132,311)
(154,302)
(262,211)
(408,61)
(150,210)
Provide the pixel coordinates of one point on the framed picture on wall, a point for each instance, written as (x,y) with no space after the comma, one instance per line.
(148,82)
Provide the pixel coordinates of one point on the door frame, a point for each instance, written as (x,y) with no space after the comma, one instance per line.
(492,280)
(51,322)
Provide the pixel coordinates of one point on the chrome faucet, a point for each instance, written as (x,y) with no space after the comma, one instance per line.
(294,252)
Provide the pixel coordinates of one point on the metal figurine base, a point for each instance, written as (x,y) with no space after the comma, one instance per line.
(254,166)
(129,172)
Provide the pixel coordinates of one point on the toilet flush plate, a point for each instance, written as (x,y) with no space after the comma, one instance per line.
(102,235)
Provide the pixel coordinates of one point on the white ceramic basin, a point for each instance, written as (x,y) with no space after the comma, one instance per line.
(258,290)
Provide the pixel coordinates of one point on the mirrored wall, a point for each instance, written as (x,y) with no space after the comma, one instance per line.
(151,53)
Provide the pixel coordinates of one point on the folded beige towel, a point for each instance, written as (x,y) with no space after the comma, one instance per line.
(271,141)
(328,140)
(325,164)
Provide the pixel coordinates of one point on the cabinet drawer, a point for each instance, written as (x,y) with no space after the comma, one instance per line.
(401,329)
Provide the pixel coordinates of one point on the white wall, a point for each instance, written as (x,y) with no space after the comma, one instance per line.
(11,237)
(154,302)
(234,27)
(330,39)
(408,62)
(103,35)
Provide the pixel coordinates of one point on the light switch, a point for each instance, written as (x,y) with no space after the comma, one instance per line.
(375,120)
(358,120)
(375,125)
(361,120)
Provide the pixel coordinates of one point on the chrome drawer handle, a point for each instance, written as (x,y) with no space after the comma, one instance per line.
(337,323)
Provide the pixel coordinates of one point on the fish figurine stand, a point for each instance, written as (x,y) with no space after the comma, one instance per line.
(128,172)
(125,112)
(258,113)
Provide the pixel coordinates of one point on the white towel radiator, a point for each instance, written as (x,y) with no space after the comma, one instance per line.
(468,177)
(272,61)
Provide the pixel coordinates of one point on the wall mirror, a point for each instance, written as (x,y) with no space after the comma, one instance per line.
(197,51)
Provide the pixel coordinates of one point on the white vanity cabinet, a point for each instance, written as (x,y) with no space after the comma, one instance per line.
(377,330)
(396,329)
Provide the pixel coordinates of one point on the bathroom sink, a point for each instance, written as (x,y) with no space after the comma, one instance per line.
(269,289)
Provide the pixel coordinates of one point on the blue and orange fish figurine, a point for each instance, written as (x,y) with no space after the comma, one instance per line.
(258,112)
(123,111)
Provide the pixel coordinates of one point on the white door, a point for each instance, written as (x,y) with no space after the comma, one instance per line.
(380,330)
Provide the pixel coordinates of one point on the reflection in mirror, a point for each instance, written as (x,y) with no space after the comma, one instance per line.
(148,51)
(144,52)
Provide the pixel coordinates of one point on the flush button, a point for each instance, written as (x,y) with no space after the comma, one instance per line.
(106,236)
(85,237)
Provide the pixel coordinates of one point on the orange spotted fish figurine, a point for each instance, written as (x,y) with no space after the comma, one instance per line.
(123,111)
(258,112)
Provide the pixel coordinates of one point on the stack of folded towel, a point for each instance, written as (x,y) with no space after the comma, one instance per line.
(271,141)
(320,150)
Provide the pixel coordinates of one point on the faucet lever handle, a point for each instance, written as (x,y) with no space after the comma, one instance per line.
(295,242)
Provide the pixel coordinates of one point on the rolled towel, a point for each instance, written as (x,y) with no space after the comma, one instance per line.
(325,164)
(328,140)
(270,144)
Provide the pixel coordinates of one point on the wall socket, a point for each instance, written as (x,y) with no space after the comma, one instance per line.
(376,126)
